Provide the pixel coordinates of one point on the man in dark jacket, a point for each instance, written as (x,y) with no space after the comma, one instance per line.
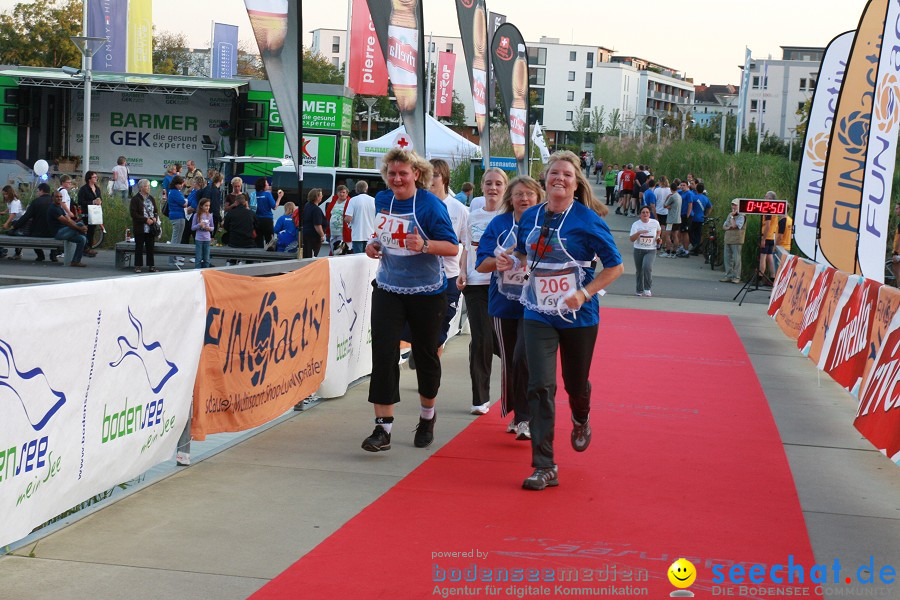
(36,215)
(240,223)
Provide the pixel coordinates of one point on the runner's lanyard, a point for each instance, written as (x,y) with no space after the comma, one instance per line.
(546,234)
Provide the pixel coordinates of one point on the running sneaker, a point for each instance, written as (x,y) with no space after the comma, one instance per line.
(424,432)
(481,409)
(542,477)
(183,459)
(511,426)
(523,431)
(379,440)
(581,435)
(647,294)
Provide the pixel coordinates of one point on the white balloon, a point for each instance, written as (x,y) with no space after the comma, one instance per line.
(41,167)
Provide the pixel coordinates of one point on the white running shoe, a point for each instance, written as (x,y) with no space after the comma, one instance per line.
(183,459)
(523,431)
(481,409)
(511,427)
(647,294)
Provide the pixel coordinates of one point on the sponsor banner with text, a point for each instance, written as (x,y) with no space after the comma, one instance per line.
(225,51)
(845,357)
(265,347)
(509,56)
(350,324)
(790,316)
(140,36)
(878,414)
(842,285)
(818,292)
(109,19)
(782,278)
(368,72)
(444,91)
(106,405)
(887,306)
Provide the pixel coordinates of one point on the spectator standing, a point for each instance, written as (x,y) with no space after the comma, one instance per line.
(120,180)
(202,224)
(237,193)
(214,193)
(626,182)
(177,205)
(767,234)
(14,211)
(783,237)
(192,171)
(734,242)
(265,218)
(167,180)
(360,215)
(65,184)
(198,183)
(240,224)
(609,180)
(88,194)
(672,229)
(337,229)
(144,226)
(459,219)
(465,193)
(312,224)
(700,210)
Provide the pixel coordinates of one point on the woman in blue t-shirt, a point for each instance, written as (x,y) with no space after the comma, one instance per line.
(265,204)
(558,242)
(503,300)
(412,232)
(286,232)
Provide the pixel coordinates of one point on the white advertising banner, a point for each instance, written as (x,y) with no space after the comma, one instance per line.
(350,333)
(95,388)
(876,198)
(815,147)
(151,130)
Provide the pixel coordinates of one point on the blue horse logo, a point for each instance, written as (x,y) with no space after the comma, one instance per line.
(30,388)
(157,367)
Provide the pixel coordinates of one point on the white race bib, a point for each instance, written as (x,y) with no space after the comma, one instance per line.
(550,288)
(647,241)
(513,277)
(391,230)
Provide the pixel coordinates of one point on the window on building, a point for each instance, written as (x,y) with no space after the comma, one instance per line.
(588,80)
(587,100)
(449,47)
(586,119)
(568,115)
(572,56)
(538,96)
(536,75)
(570,96)
(812,85)
(335,44)
(800,105)
(538,114)
(537,56)
(590,60)
(571,75)
(754,105)
(336,62)
(803,84)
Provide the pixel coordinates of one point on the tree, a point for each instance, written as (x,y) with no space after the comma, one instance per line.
(803,118)
(318,69)
(580,124)
(615,122)
(250,64)
(170,53)
(36,34)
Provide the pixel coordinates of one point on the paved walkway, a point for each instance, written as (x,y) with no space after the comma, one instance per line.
(236,518)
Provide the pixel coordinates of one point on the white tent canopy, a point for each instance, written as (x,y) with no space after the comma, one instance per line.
(442,142)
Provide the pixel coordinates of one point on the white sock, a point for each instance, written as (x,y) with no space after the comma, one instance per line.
(386,426)
(426,413)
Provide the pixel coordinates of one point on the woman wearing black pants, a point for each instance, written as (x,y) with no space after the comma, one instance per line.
(144,218)
(557,242)
(311,222)
(412,232)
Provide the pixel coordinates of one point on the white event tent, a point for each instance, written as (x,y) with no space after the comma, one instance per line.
(442,142)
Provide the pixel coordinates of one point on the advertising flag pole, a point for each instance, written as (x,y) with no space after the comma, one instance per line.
(212,49)
(347,44)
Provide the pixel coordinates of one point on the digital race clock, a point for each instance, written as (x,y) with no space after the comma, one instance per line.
(762,207)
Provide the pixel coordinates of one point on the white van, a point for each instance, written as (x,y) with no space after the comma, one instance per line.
(325,178)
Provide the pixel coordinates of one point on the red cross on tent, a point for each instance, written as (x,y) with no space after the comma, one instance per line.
(402,141)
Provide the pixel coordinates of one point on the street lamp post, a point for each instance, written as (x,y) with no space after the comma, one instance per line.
(370,102)
(88,46)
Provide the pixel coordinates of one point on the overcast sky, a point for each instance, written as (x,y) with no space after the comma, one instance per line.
(704,39)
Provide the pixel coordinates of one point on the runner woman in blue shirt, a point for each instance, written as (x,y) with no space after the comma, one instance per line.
(412,232)
(557,241)
(503,300)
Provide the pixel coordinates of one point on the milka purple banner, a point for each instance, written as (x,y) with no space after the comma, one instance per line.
(108,19)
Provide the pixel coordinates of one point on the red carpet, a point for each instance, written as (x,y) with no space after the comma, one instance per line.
(685,461)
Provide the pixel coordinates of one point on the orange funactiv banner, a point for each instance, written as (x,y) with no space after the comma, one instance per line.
(790,316)
(265,347)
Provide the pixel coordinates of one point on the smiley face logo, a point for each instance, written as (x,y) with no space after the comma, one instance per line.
(682,573)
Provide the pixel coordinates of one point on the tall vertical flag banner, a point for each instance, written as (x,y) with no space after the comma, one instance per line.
(443,90)
(398,25)
(509,56)
(875,211)
(815,146)
(473,28)
(848,147)
(140,36)
(224,51)
(367,70)
(276,27)
(537,136)
(742,100)
(495,20)
(109,19)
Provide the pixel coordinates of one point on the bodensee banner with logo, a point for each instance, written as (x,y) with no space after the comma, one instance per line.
(845,167)
(350,333)
(815,147)
(95,388)
(790,316)
(882,152)
(265,347)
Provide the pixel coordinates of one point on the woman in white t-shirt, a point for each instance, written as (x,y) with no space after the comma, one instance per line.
(120,180)
(14,210)
(475,285)
(645,236)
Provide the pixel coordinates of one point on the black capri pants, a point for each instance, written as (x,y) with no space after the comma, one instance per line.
(390,312)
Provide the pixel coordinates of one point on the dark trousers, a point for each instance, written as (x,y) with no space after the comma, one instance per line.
(186,234)
(311,245)
(265,229)
(481,346)
(452,306)
(390,312)
(513,368)
(143,240)
(610,194)
(695,233)
(576,349)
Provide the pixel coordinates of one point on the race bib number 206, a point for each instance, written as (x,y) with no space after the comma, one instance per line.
(550,288)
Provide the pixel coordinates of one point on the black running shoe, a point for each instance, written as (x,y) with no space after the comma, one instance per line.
(581,435)
(424,432)
(378,441)
(542,478)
